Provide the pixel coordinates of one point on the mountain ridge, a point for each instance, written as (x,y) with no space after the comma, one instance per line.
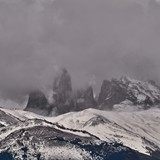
(134,93)
(117,94)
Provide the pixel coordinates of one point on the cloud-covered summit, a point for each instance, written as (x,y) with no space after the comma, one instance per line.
(100,39)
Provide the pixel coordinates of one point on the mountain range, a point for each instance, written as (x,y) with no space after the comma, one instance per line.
(62,98)
(122,123)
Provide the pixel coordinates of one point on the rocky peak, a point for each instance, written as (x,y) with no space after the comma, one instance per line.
(38,103)
(112,92)
(63,85)
(105,90)
(63,88)
(63,81)
(138,92)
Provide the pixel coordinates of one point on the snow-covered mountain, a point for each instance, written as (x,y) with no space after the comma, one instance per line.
(87,134)
(128,91)
(137,130)
(129,129)
(118,94)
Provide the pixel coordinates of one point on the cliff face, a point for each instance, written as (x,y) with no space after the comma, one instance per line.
(63,89)
(111,93)
(127,89)
(38,103)
(84,99)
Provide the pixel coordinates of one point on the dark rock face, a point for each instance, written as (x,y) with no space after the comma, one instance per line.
(111,93)
(38,103)
(105,91)
(84,99)
(63,88)
(139,93)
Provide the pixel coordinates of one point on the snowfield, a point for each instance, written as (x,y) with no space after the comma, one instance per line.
(138,130)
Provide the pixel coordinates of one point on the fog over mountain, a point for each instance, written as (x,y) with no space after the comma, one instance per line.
(80,79)
(93,39)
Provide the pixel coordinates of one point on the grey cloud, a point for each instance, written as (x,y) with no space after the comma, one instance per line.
(93,38)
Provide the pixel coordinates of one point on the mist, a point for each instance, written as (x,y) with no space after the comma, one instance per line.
(93,39)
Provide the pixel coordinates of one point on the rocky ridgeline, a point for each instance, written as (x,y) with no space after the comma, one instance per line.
(128,90)
(64,99)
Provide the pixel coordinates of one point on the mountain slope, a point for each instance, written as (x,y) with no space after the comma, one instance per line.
(139,131)
(41,140)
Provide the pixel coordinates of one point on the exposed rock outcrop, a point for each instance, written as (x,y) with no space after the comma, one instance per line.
(111,93)
(38,103)
(63,88)
(138,92)
(84,99)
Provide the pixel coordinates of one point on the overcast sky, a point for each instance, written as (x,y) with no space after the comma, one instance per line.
(93,39)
